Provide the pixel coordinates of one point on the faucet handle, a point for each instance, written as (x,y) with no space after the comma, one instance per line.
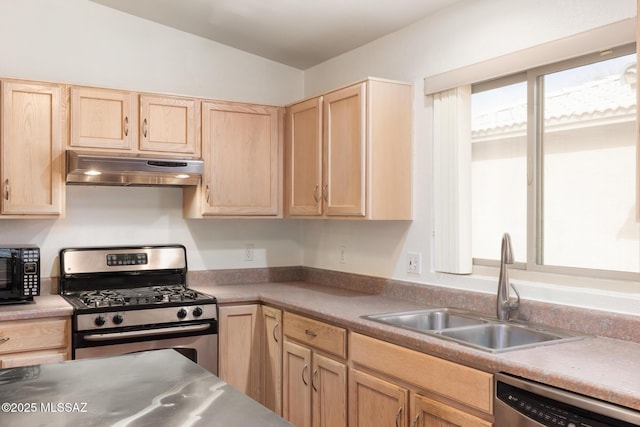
(513,305)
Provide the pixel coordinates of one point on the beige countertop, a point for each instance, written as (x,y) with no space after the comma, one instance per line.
(41,306)
(603,368)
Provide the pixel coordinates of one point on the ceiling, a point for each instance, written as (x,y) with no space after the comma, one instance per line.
(299,33)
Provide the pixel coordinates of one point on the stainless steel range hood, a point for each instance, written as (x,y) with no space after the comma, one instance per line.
(101,169)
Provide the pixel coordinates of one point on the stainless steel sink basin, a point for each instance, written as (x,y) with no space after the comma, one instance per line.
(429,320)
(497,337)
(475,330)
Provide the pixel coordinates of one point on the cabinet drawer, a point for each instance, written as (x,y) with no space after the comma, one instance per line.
(32,358)
(27,335)
(314,333)
(466,385)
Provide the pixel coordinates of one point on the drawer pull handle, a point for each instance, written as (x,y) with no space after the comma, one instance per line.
(306,368)
(273,332)
(6,189)
(325,193)
(415,421)
(4,340)
(398,417)
(313,380)
(126,126)
(144,127)
(310,333)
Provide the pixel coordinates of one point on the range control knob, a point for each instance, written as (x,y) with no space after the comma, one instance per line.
(197,312)
(100,321)
(182,313)
(117,319)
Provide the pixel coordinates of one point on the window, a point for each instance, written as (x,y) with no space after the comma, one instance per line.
(554,164)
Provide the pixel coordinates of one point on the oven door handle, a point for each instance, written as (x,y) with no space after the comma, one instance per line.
(146,332)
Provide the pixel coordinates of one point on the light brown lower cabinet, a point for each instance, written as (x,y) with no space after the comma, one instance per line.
(314,384)
(34,342)
(426,412)
(300,368)
(394,386)
(250,352)
(377,402)
(239,348)
(271,379)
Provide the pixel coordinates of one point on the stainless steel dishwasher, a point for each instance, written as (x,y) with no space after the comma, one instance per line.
(523,403)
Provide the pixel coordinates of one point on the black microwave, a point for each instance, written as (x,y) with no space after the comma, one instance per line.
(19,273)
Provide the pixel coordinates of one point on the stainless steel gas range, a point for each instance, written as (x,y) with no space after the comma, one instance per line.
(129,299)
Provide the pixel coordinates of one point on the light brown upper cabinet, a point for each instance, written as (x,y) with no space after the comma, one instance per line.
(242,151)
(349,153)
(169,125)
(106,119)
(103,119)
(32,149)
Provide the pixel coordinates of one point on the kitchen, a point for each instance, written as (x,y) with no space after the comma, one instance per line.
(77,42)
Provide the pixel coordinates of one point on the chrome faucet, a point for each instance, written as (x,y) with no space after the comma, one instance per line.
(506,304)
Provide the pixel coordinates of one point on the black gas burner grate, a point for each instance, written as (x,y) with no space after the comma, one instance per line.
(137,296)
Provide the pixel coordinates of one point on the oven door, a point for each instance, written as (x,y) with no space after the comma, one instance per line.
(198,342)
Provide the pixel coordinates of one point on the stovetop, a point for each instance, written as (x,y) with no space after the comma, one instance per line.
(135,298)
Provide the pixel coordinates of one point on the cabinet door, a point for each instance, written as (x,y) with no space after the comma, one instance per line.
(296,380)
(272,359)
(32,148)
(427,412)
(329,395)
(169,125)
(375,402)
(345,151)
(239,348)
(304,158)
(242,149)
(102,118)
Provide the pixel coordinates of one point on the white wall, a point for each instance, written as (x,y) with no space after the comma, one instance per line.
(81,42)
(78,41)
(466,33)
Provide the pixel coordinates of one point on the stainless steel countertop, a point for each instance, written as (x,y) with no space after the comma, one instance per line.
(153,388)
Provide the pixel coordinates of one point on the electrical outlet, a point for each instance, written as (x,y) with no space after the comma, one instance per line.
(414,263)
(248,252)
(342,254)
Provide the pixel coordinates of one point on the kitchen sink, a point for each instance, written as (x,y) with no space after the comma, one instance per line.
(496,337)
(475,330)
(428,320)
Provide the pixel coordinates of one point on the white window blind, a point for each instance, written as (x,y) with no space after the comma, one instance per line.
(452,180)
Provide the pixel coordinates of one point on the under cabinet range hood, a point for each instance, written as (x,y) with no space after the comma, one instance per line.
(107,169)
